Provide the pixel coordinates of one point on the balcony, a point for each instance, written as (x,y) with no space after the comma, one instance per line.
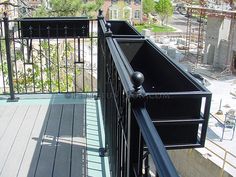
(52,135)
(77,99)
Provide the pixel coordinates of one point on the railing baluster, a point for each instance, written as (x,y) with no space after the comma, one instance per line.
(23,58)
(146,164)
(83,68)
(49,74)
(40,58)
(2,62)
(66,46)
(140,154)
(79,59)
(58,63)
(32,57)
(8,55)
(91,56)
(74,63)
(15,61)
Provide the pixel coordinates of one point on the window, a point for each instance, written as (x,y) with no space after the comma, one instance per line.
(128,1)
(113,13)
(127,11)
(113,1)
(137,1)
(137,14)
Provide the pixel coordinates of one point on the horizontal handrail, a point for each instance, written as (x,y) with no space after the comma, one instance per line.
(224,159)
(154,143)
(59,59)
(119,123)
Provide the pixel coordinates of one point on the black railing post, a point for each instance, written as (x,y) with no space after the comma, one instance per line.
(8,55)
(100,14)
(100,71)
(135,143)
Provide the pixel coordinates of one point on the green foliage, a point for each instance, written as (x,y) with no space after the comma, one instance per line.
(59,8)
(165,9)
(90,8)
(52,68)
(64,7)
(148,6)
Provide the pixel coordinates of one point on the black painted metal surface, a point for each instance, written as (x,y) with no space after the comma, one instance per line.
(123,29)
(173,98)
(130,131)
(149,103)
(54,27)
(48,55)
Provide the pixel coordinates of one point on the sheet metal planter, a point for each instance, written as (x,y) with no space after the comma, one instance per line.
(57,27)
(122,29)
(177,104)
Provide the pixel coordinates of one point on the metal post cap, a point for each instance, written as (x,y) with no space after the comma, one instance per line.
(100,11)
(108,26)
(137,79)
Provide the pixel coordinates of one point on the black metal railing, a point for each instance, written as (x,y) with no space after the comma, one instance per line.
(128,127)
(136,134)
(48,55)
(60,55)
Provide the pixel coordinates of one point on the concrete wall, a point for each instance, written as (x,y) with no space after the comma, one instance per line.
(234,35)
(218,32)
(213,29)
(191,163)
(221,60)
(224,30)
(212,34)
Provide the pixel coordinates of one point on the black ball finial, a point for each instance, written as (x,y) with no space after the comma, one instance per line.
(137,80)
(5,14)
(108,26)
(100,11)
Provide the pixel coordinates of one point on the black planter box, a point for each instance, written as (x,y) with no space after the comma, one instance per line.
(174,99)
(63,27)
(121,29)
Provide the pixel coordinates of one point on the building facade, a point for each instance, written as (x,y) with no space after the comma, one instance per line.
(34,3)
(130,10)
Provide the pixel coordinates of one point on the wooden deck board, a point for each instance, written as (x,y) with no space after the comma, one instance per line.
(11,132)
(6,117)
(30,159)
(78,165)
(44,140)
(2,110)
(63,151)
(13,161)
(48,148)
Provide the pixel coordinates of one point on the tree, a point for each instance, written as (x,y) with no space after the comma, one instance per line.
(165,10)
(69,8)
(148,6)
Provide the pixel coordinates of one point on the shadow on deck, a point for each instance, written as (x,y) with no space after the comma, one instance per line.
(51,135)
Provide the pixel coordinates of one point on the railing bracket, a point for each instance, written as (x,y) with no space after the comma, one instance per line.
(102,152)
(16,99)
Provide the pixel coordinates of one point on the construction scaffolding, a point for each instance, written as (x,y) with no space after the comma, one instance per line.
(202,12)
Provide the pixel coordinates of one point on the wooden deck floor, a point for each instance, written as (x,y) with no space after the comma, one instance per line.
(48,140)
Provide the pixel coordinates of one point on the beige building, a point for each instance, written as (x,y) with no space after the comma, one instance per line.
(129,10)
(34,3)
